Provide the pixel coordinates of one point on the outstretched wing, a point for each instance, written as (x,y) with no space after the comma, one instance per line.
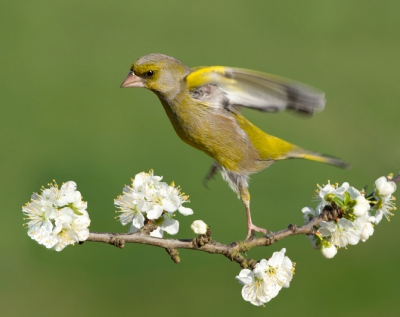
(256,90)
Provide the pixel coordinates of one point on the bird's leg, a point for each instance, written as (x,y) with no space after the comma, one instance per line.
(245,197)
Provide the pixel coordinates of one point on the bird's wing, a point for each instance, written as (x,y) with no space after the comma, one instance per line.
(258,90)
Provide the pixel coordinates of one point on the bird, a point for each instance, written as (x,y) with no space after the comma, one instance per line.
(204,106)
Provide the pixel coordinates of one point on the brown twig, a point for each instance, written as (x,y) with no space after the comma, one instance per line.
(232,251)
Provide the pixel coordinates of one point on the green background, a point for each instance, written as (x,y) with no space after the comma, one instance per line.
(64,117)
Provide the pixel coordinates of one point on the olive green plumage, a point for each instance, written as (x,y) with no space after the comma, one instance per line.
(203,105)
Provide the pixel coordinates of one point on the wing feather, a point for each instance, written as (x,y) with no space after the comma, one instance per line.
(258,90)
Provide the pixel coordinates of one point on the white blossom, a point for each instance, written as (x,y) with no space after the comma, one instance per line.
(365,225)
(131,205)
(71,231)
(385,201)
(39,213)
(383,208)
(384,188)
(149,199)
(254,290)
(57,217)
(321,196)
(267,279)
(354,221)
(342,233)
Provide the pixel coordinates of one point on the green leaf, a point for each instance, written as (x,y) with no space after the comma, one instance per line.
(338,201)
(346,198)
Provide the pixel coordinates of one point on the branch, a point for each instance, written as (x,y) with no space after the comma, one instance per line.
(204,243)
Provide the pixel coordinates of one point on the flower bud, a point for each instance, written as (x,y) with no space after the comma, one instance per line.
(361,207)
(383,187)
(328,250)
(199,227)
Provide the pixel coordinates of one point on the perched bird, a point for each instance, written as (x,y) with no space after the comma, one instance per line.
(204,103)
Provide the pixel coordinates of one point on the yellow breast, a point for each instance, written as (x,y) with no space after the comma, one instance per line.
(231,140)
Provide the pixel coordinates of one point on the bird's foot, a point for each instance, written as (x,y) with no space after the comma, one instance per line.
(251,229)
(210,175)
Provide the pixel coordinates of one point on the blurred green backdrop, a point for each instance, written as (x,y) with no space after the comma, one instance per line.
(64,117)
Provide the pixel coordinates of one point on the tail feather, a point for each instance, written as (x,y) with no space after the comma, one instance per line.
(317,157)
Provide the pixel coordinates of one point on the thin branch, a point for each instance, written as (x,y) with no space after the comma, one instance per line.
(204,243)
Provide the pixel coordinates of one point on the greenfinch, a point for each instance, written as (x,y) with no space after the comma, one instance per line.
(204,106)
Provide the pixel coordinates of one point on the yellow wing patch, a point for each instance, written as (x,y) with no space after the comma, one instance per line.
(208,75)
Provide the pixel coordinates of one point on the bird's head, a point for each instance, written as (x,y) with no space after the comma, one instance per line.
(160,73)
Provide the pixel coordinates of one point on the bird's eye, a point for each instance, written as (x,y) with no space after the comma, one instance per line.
(149,73)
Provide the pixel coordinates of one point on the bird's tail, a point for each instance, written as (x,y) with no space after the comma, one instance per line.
(317,157)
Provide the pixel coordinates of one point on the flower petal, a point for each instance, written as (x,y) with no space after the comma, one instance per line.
(155,212)
(185,211)
(170,226)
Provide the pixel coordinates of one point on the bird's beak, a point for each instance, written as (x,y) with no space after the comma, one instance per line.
(132,81)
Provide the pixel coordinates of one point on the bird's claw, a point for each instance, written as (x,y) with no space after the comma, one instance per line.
(252,229)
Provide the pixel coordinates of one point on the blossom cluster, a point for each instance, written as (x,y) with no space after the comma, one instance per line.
(57,217)
(149,199)
(359,214)
(267,278)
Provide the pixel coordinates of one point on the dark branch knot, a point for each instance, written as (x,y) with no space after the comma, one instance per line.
(117,242)
(293,228)
(202,239)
